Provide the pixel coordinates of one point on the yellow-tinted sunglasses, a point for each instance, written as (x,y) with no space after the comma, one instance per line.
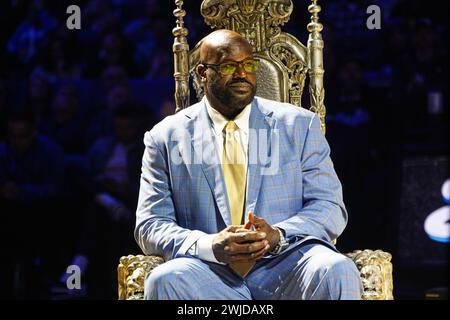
(229,67)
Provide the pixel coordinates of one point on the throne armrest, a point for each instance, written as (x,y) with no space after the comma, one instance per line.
(131,273)
(375,269)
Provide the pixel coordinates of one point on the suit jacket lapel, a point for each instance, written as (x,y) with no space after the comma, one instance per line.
(259,151)
(204,146)
(261,126)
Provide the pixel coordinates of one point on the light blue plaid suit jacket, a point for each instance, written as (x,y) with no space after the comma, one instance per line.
(291,181)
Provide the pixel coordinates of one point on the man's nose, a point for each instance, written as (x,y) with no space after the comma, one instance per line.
(240,72)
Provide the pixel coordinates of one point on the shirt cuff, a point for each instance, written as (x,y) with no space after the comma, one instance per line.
(204,249)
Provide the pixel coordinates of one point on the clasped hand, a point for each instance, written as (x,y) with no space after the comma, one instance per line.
(236,243)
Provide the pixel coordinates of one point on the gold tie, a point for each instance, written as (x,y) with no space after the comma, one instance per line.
(233,168)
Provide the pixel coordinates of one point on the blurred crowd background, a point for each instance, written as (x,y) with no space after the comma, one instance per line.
(74,105)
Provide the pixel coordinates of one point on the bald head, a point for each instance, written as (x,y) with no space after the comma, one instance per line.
(221,43)
(227,92)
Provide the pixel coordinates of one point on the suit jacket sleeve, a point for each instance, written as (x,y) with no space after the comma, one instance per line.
(323,214)
(157,231)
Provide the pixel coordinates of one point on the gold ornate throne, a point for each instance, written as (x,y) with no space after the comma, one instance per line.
(285,64)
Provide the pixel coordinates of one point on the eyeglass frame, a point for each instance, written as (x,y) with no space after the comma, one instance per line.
(239,64)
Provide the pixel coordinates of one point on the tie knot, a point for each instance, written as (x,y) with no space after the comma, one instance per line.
(231,126)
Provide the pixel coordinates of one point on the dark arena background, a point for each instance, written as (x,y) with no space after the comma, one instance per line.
(68,95)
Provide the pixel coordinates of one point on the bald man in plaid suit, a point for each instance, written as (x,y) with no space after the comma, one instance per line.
(192,206)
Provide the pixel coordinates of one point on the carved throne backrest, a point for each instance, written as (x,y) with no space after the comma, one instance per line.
(283,58)
(285,61)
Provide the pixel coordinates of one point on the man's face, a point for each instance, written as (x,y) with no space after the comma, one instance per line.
(20,135)
(232,92)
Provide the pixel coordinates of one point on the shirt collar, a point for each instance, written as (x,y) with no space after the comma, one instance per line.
(219,121)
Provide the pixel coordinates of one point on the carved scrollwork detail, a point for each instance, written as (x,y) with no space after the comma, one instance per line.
(296,86)
(257,20)
(132,271)
(198,85)
(272,33)
(194,59)
(375,269)
(180,51)
(217,12)
(214,13)
(294,67)
(279,12)
(317,97)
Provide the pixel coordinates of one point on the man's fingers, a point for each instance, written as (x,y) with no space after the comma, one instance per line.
(235,228)
(245,236)
(261,253)
(259,221)
(234,248)
(249,256)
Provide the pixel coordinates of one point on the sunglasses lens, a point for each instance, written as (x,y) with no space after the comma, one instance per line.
(228,68)
(251,66)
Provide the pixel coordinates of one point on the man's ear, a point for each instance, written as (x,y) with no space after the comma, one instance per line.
(201,71)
